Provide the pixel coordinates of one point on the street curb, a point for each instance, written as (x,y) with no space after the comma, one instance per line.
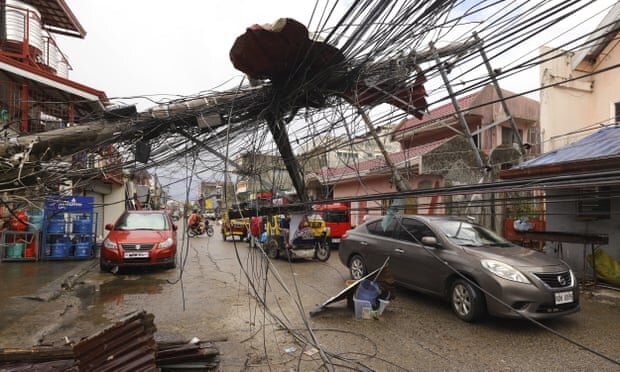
(602,295)
(55,288)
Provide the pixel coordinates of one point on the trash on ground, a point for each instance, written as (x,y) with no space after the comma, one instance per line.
(310,350)
(383,276)
(290,349)
(126,345)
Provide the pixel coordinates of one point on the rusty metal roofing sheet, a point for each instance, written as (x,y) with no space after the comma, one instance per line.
(128,345)
(603,144)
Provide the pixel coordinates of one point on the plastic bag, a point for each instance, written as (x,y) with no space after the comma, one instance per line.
(607,268)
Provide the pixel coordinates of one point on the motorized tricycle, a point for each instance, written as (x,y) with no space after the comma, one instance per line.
(297,236)
(234,226)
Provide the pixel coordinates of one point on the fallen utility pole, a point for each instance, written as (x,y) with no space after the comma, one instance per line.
(399,181)
(277,126)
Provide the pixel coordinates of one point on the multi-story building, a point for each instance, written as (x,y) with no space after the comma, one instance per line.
(37,95)
(261,173)
(340,151)
(579,117)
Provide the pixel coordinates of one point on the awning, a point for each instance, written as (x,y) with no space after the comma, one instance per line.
(596,152)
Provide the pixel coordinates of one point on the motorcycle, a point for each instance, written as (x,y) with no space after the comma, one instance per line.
(200,229)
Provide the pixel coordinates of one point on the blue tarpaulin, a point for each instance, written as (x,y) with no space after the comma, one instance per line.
(602,144)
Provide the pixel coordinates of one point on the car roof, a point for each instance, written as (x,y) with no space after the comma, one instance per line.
(148,211)
(429,217)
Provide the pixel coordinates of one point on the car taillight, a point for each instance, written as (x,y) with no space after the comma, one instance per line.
(344,236)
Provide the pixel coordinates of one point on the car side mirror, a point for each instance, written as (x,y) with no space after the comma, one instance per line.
(109,227)
(430,241)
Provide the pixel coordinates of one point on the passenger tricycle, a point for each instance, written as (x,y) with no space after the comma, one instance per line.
(297,236)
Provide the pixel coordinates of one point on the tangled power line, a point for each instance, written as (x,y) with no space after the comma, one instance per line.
(382,43)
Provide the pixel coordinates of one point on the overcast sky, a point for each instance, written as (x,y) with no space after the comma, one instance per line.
(152,47)
(164,49)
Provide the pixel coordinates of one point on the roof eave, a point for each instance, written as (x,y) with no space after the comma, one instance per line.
(28,72)
(570,167)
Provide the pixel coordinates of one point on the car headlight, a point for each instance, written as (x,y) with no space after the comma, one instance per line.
(504,271)
(166,243)
(107,243)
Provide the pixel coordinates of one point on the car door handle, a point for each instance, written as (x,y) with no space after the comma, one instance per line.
(398,250)
(363,243)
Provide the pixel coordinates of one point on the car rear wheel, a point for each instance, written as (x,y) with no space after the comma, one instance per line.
(357,266)
(467,301)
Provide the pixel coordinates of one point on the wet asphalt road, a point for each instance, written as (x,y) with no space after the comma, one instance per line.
(215,294)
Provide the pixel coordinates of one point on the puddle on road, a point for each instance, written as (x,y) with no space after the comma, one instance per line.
(98,301)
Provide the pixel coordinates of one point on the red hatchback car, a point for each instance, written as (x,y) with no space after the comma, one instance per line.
(140,238)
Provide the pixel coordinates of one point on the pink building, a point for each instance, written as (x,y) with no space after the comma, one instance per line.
(433,154)
(374,177)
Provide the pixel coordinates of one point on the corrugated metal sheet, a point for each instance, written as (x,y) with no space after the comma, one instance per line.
(603,144)
(128,345)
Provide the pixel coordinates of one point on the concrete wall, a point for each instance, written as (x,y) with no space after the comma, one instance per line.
(524,110)
(114,205)
(574,106)
(562,217)
(381,184)
(109,202)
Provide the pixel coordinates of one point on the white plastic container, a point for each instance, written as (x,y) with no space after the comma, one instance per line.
(363,309)
(382,305)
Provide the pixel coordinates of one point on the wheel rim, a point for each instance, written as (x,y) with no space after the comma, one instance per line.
(322,251)
(357,268)
(461,300)
(272,250)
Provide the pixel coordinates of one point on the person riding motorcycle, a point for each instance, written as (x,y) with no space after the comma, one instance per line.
(194,220)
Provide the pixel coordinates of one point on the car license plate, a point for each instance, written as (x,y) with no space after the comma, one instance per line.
(136,254)
(335,240)
(563,297)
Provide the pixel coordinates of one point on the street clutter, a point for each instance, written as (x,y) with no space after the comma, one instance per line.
(370,300)
(128,344)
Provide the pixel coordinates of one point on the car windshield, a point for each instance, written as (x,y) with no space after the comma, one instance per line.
(470,235)
(142,221)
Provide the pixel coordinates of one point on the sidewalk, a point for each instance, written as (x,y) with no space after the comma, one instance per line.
(602,294)
(41,280)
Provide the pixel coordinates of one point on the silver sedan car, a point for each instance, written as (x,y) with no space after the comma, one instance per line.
(478,271)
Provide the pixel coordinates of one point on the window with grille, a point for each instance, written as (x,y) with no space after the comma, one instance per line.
(508,136)
(594,203)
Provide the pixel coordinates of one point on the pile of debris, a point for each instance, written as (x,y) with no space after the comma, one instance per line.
(126,345)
